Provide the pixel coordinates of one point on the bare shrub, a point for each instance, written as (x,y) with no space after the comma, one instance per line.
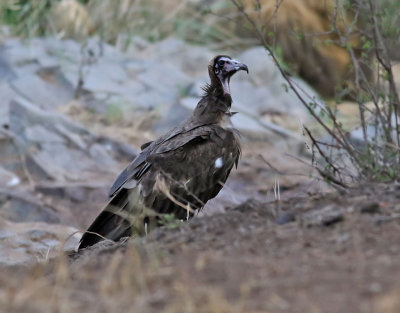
(343,159)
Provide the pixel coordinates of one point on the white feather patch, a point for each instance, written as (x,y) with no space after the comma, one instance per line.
(14,181)
(218,163)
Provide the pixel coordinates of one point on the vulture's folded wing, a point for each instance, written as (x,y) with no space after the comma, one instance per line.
(175,139)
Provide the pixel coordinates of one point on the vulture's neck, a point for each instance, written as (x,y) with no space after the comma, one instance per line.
(213,106)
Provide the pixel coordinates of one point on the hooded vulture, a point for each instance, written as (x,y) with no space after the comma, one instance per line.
(180,171)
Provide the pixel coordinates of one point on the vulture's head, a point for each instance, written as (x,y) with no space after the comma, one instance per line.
(221,69)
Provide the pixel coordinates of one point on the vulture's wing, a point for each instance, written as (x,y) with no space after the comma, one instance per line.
(189,158)
(176,138)
(198,163)
(112,223)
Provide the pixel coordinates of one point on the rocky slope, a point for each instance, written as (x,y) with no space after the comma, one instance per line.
(72,116)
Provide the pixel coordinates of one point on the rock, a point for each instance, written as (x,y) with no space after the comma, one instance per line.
(7,94)
(8,179)
(29,242)
(56,147)
(36,234)
(175,115)
(101,156)
(26,208)
(105,77)
(120,150)
(24,114)
(156,100)
(75,192)
(64,164)
(189,59)
(196,88)
(18,52)
(39,134)
(164,78)
(261,67)
(252,99)
(266,89)
(36,90)
(6,72)
(9,152)
(4,233)
(370,207)
(74,138)
(286,217)
(11,256)
(189,103)
(325,216)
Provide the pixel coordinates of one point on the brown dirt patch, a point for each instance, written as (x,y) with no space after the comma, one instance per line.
(326,253)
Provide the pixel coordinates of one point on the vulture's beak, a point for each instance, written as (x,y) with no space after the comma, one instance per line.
(235,66)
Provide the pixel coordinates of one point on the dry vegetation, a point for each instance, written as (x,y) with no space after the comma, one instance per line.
(243,261)
(342,160)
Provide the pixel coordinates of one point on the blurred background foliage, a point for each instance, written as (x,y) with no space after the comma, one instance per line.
(114,20)
(300,31)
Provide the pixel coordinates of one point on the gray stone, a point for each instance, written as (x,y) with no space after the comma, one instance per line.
(11,256)
(154,99)
(66,49)
(9,152)
(29,69)
(164,78)
(49,96)
(252,99)
(6,72)
(18,52)
(261,67)
(267,90)
(195,89)
(120,150)
(189,59)
(131,88)
(24,114)
(7,94)
(39,134)
(105,77)
(174,116)
(50,243)
(38,234)
(134,67)
(74,138)
(4,233)
(249,127)
(76,192)
(101,156)
(47,61)
(325,216)
(8,179)
(20,210)
(61,163)
(189,102)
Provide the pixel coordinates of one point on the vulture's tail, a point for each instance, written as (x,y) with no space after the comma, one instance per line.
(112,223)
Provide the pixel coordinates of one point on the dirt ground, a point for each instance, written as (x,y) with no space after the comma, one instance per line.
(334,252)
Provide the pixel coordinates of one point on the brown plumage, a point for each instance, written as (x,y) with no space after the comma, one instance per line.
(179,172)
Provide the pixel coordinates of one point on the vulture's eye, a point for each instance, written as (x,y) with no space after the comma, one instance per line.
(221,63)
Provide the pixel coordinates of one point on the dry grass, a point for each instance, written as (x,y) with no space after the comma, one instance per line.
(118,21)
(237,262)
(130,280)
